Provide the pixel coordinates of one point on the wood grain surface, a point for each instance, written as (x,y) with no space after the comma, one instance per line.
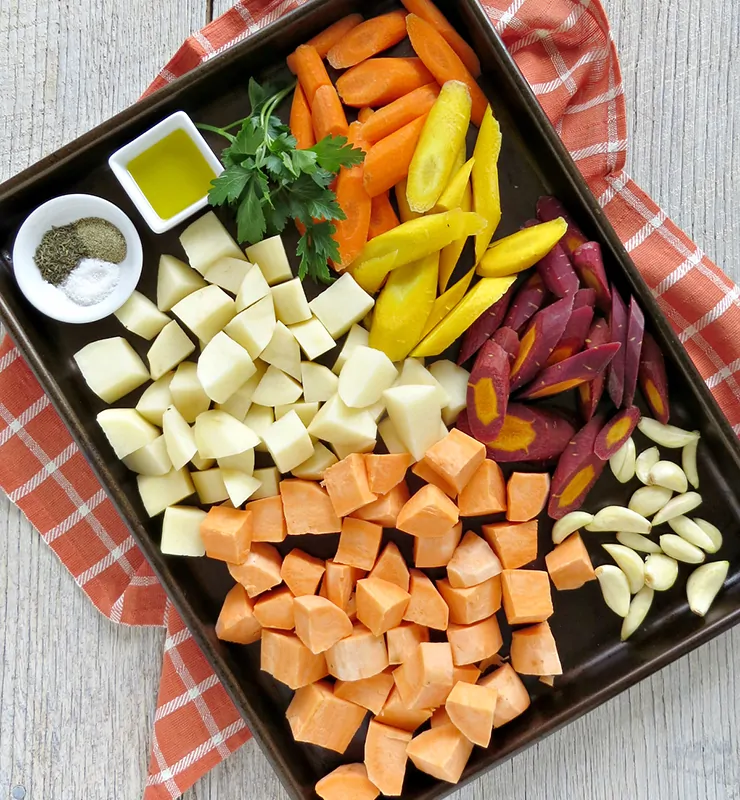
(77,694)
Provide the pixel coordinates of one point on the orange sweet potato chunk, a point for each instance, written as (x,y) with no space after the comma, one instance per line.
(476,642)
(513,697)
(237,621)
(359,543)
(569,564)
(425,679)
(380,604)
(268,520)
(437,552)
(370,693)
(359,656)
(424,470)
(485,492)
(274,609)
(440,718)
(527,596)
(386,471)
(391,567)
(515,543)
(429,513)
(526,495)
(302,572)
(403,640)
(474,603)
(441,752)
(261,570)
(288,660)
(426,606)
(319,624)
(347,781)
(472,708)
(227,534)
(307,508)
(534,652)
(397,715)
(347,485)
(385,757)
(472,563)
(339,584)
(385,510)
(456,458)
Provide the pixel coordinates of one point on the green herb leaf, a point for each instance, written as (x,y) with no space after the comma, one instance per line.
(229,185)
(333,152)
(250,218)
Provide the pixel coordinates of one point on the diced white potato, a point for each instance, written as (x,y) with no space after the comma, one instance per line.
(360,446)
(377,410)
(152,459)
(269,478)
(337,424)
(126,430)
(253,288)
(253,328)
(270,256)
(290,301)
(276,389)
(171,346)
(228,273)
(206,241)
(140,316)
(288,442)
(218,434)
(357,337)
(160,491)
(319,382)
(343,304)
(283,352)
(239,485)
(210,486)
(365,376)
(155,399)
(111,368)
(175,280)
(240,402)
(223,367)
(313,469)
(454,381)
(259,418)
(416,416)
(179,438)
(306,411)
(390,437)
(202,464)
(188,395)
(244,462)
(206,312)
(181,531)
(414,373)
(313,338)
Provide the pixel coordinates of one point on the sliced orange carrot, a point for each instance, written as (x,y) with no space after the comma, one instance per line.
(569,564)
(472,709)
(385,757)
(380,604)
(368,39)
(261,570)
(302,572)
(385,471)
(397,715)
(513,697)
(476,642)
(380,81)
(472,563)
(310,71)
(370,693)
(358,656)
(425,679)
(395,115)
(423,469)
(442,61)
(352,233)
(275,609)
(359,543)
(324,41)
(384,511)
(268,520)
(473,604)
(301,124)
(388,160)
(391,567)
(456,458)
(485,492)
(527,596)
(383,217)
(347,484)
(364,114)
(237,621)
(227,534)
(526,495)
(319,624)
(328,114)
(441,752)
(307,508)
(339,583)
(403,640)
(534,652)
(429,513)
(515,543)
(288,660)
(349,780)
(431,14)
(436,552)
(426,606)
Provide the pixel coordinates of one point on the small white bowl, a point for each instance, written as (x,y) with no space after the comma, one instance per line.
(120,160)
(51,300)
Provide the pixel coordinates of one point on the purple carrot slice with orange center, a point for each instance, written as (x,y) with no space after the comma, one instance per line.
(584,297)
(526,303)
(549,208)
(618,333)
(574,336)
(589,394)
(589,265)
(509,341)
(616,432)
(484,327)
(635,335)
(653,379)
(488,391)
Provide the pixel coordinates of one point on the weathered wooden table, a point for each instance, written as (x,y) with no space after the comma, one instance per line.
(77,694)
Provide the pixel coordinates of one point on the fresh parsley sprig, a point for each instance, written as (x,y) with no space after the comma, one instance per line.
(268,181)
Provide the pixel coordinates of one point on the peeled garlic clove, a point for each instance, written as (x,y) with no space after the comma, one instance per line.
(630,563)
(688,462)
(649,500)
(689,530)
(645,462)
(622,463)
(639,608)
(678,506)
(619,518)
(704,584)
(668,475)
(660,572)
(636,541)
(570,523)
(666,435)
(713,533)
(615,588)
(678,548)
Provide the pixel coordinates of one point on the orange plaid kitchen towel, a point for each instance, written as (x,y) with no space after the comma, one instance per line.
(565,49)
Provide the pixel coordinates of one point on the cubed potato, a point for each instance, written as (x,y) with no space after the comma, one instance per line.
(244,462)
(253,328)
(239,485)
(140,316)
(276,388)
(178,437)
(269,478)
(223,367)
(187,392)
(111,368)
(313,468)
(416,416)
(366,374)
(283,351)
(159,491)
(357,446)
(454,382)
(206,312)
(337,424)
(171,346)
(175,280)
(202,464)
(341,305)
(228,273)
(390,437)
(319,382)
(240,402)
(210,486)
(181,531)
(290,301)
(288,442)
(414,373)
(126,430)
(206,240)
(218,434)
(271,258)
(357,337)
(253,288)
(313,338)
(306,411)
(155,400)
(258,419)
(152,459)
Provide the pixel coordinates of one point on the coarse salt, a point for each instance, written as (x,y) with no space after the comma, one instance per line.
(91,281)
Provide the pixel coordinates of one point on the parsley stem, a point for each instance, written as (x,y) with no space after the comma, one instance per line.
(214,129)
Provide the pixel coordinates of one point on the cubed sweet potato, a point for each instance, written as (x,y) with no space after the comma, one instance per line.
(358,656)
(437,552)
(227,534)
(488,391)
(589,394)
(534,652)
(484,327)
(423,469)
(549,208)
(385,510)
(426,607)
(349,780)
(440,718)
(302,572)
(347,485)
(385,471)
(515,543)
(513,697)
(317,716)
(485,492)
(319,624)
(507,340)
(472,563)
(526,495)
(474,603)
(456,457)
(274,609)
(391,567)
(616,432)
(476,642)
(569,564)
(385,757)
(472,708)
(359,543)
(380,604)
(307,508)
(441,752)
(397,715)
(527,596)
(653,379)
(260,571)
(528,300)
(339,583)
(403,640)
(618,333)
(428,513)
(633,348)
(288,660)
(237,621)
(370,693)
(575,334)
(425,679)
(268,520)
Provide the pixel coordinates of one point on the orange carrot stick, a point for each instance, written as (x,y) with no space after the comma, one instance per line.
(442,61)
(368,39)
(395,115)
(324,41)
(310,71)
(351,233)
(329,118)
(380,81)
(382,216)
(388,160)
(364,114)
(301,124)
(431,14)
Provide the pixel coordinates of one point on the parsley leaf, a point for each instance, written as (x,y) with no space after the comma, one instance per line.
(229,185)
(333,152)
(250,217)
